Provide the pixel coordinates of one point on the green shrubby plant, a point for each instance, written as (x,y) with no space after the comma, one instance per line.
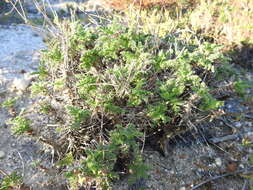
(225,70)
(42,72)
(101,162)
(78,115)
(39,88)
(46,108)
(20,125)
(122,82)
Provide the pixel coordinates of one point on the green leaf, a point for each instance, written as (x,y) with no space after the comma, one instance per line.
(20,125)
(89,59)
(10,102)
(157,113)
(78,115)
(241,86)
(67,160)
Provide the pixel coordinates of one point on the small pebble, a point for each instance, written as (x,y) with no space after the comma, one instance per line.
(249,134)
(2,154)
(238,124)
(218,161)
(20,84)
(249,124)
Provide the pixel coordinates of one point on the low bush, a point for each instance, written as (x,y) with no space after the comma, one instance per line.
(114,85)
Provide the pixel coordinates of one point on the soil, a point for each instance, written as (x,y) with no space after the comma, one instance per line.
(191,158)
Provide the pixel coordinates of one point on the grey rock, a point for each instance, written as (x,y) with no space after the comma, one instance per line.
(238,124)
(218,162)
(2,154)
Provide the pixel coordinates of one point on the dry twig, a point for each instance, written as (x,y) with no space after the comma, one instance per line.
(3,172)
(224,138)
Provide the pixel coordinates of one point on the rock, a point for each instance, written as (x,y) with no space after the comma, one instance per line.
(249,124)
(21,84)
(249,134)
(2,154)
(238,124)
(218,161)
(13,145)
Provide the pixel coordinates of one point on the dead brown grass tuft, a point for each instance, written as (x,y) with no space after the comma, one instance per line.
(123,4)
(228,22)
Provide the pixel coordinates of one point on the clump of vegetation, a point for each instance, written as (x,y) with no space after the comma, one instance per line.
(116,83)
(220,21)
(12,181)
(9,103)
(20,125)
(241,87)
(100,165)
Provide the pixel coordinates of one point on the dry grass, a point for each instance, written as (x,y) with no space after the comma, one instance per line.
(228,22)
(123,4)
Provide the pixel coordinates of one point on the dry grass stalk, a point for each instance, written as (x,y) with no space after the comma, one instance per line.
(124,4)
